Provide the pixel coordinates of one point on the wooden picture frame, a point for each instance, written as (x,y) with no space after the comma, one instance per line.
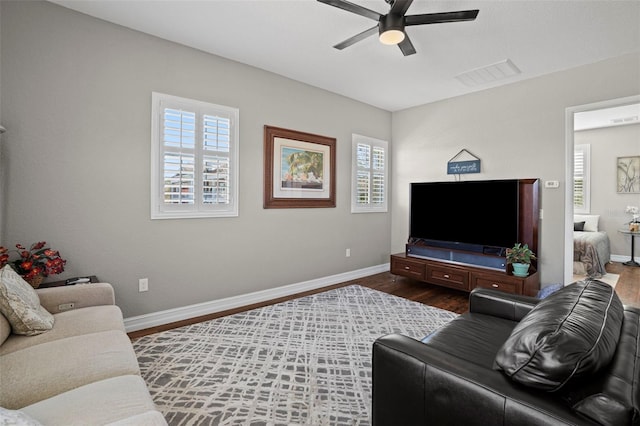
(299,169)
(628,175)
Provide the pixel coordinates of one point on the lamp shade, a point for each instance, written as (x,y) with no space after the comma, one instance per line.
(391,29)
(391,37)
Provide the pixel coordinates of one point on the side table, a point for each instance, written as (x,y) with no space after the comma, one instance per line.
(61,283)
(633,234)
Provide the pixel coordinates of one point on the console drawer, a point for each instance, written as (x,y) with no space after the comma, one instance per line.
(407,268)
(448,276)
(498,283)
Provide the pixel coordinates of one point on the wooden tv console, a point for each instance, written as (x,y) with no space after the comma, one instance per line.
(466,275)
(462,277)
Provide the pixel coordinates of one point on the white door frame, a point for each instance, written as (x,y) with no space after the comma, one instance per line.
(569,136)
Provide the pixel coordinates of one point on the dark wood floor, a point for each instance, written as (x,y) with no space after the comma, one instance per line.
(628,289)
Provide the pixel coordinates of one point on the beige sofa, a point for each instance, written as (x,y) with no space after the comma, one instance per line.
(81,372)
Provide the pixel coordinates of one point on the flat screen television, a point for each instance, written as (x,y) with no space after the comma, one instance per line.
(479,216)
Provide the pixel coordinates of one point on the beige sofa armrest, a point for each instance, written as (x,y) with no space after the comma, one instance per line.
(80,295)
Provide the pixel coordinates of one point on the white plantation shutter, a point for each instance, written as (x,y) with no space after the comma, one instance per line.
(369,175)
(194,159)
(581,181)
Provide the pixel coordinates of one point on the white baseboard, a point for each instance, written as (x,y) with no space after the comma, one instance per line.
(623,258)
(154,319)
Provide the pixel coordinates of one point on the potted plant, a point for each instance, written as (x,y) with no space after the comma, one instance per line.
(520,257)
(34,263)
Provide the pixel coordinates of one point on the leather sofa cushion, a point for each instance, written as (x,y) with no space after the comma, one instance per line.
(475,338)
(571,334)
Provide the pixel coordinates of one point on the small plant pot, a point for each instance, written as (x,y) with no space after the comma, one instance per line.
(520,269)
(35,281)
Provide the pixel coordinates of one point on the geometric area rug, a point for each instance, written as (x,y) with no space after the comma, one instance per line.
(306,361)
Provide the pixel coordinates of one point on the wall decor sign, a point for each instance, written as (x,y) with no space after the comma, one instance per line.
(299,169)
(458,166)
(628,175)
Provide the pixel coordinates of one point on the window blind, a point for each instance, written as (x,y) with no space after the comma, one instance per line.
(369,175)
(194,148)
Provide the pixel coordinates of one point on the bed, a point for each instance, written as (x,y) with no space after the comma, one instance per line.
(591,248)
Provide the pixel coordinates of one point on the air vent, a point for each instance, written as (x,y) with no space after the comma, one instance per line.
(625,120)
(489,74)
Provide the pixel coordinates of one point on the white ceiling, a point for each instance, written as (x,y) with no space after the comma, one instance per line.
(294,38)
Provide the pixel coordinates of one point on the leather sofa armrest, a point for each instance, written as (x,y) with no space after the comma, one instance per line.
(500,304)
(417,384)
(80,295)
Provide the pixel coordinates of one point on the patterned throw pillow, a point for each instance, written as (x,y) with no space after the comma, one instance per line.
(20,304)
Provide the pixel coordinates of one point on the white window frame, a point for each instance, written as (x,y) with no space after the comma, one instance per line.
(199,209)
(585,151)
(374,144)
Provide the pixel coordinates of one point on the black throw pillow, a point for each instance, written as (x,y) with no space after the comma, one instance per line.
(572,333)
(578,226)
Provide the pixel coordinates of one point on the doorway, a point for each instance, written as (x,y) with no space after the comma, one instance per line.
(569,153)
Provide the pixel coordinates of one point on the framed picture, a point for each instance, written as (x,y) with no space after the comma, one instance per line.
(299,169)
(629,175)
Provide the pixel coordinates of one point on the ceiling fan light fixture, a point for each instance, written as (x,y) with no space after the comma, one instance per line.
(391,29)
(391,37)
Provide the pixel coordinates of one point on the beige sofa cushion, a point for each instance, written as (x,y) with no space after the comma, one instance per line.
(20,304)
(118,399)
(33,374)
(71,323)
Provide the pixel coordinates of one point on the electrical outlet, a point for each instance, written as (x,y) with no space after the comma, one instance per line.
(66,306)
(143,284)
(347,253)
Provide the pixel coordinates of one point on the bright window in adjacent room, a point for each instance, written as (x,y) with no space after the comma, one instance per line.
(194,159)
(581,173)
(369,179)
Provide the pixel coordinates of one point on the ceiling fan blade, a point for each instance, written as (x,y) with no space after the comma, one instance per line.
(438,18)
(400,7)
(406,46)
(353,8)
(356,38)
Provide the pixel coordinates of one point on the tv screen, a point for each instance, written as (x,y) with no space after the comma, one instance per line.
(480,213)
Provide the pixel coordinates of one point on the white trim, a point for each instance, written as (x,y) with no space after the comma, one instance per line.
(621,258)
(154,319)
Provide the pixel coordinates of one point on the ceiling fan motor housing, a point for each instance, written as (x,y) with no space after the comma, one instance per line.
(391,28)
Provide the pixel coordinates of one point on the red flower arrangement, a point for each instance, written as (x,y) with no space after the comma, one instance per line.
(37,261)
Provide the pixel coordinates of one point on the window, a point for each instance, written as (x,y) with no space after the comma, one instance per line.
(369,175)
(194,159)
(581,172)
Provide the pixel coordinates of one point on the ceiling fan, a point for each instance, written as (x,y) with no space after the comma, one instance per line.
(391,26)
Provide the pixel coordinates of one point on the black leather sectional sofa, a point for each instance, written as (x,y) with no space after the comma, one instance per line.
(569,359)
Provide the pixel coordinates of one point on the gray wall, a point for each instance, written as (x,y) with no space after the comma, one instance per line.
(517,130)
(76,94)
(2,163)
(606,145)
